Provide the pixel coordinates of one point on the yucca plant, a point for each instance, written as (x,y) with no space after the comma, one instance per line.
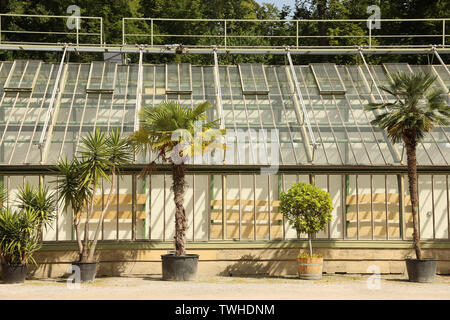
(18,236)
(169,129)
(3,197)
(418,107)
(100,157)
(72,192)
(42,201)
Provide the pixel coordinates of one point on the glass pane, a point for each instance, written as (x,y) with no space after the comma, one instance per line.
(23,74)
(102,76)
(365,209)
(327,78)
(157,203)
(441,206)
(215,194)
(253,79)
(424,183)
(178,77)
(394,225)
(351,208)
(335,190)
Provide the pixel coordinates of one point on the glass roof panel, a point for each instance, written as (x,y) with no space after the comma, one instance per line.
(22,118)
(23,75)
(179,78)
(264,122)
(253,79)
(5,68)
(102,77)
(443,74)
(81,112)
(322,112)
(357,97)
(327,78)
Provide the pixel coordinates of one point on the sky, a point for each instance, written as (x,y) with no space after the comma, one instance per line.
(278,3)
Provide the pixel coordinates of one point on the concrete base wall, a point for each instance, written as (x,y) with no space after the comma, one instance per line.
(236,261)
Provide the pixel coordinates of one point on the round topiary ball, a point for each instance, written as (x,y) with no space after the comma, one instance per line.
(306,207)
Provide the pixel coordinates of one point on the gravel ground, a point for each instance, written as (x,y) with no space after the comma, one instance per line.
(228,288)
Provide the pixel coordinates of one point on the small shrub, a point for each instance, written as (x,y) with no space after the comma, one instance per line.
(307,208)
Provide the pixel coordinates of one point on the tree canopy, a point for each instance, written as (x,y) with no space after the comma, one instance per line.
(112,12)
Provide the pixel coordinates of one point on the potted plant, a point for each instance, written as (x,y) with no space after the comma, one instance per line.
(18,241)
(170,130)
(417,109)
(101,157)
(308,209)
(21,230)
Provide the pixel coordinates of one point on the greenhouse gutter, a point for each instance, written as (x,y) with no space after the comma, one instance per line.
(162,49)
(243,169)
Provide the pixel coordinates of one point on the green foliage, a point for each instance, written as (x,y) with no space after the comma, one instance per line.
(40,200)
(158,126)
(112,12)
(100,157)
(18,235)
(417,109)
(71,189)
(3,196)
(306,207)
(94,157)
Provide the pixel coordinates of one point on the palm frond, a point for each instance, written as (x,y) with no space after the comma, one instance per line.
(163,127)
(417,109)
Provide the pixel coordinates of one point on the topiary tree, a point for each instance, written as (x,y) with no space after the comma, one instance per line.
(307,208)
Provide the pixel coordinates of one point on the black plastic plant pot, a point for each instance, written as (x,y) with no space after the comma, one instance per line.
(422,270)
(14,273)
(179,268)
(87,270)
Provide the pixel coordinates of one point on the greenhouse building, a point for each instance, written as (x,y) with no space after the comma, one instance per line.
(284,123)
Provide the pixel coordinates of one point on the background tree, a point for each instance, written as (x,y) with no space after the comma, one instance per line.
(112,12)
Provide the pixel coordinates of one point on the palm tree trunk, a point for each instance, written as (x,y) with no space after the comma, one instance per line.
(102,216)
(180,215)
(412,179)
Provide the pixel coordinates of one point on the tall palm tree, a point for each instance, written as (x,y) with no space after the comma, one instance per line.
(169,129)
(417,109)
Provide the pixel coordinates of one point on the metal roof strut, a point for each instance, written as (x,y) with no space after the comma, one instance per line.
(48,116)
(305,119)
